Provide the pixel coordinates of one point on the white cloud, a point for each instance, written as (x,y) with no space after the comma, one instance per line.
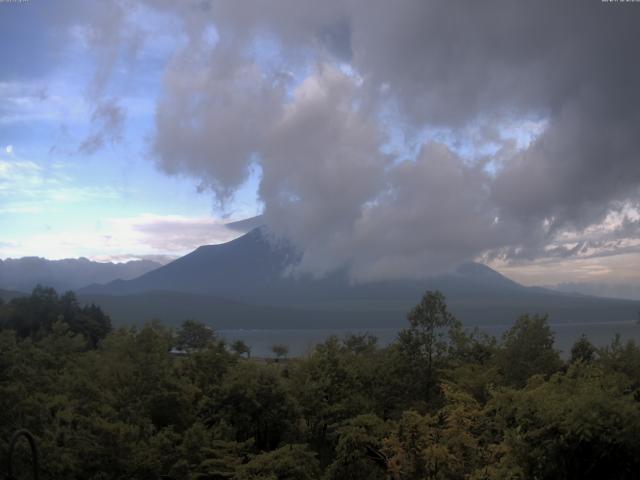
(27,187)
(614,269)
(27,102)
(169,234)
(125,238)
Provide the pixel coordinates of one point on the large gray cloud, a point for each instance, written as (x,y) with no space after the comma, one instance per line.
(435,212)
(446,65)
(307,90)
(216,105)
(321,166)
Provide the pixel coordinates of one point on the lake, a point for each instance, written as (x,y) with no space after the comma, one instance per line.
(301,341)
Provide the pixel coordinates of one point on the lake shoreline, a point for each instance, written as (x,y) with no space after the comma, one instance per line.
(302,341)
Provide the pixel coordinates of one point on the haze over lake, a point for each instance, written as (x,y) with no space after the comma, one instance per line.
(302,341)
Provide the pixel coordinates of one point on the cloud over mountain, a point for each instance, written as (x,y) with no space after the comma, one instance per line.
(395,137)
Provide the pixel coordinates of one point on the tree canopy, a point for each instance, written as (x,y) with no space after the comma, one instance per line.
(36,314)
(439,403)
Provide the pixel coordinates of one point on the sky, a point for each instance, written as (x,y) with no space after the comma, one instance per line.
(391,138)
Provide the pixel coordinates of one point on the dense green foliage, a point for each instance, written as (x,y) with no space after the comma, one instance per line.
(439,403)
(36,316)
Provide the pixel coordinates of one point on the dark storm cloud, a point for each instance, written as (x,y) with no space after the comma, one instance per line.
(451,63)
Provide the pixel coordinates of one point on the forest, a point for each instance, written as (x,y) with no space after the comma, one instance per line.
(441,402)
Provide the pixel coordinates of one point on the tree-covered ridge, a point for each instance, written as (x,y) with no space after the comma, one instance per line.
(37,316)
(439,403)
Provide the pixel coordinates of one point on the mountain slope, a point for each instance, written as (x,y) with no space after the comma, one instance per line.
(7,295)
(243,284)
(234,270)
(253,269)
(25,273)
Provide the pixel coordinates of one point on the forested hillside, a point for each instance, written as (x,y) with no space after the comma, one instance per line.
(439,403)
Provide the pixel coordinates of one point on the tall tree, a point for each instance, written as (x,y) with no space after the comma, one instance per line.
(528,350)
(428,339)
(241,348)
(280,351)
(194,335)
(583,351)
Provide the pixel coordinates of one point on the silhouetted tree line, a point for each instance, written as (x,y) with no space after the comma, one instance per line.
(438,403)
(36,316)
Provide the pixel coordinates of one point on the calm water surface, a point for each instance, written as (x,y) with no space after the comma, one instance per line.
(301,341)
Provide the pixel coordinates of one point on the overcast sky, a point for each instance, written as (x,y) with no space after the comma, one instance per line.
(394,138)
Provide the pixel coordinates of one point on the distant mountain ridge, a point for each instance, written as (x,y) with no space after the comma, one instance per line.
(244,284)
(23,274)
(612,290)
